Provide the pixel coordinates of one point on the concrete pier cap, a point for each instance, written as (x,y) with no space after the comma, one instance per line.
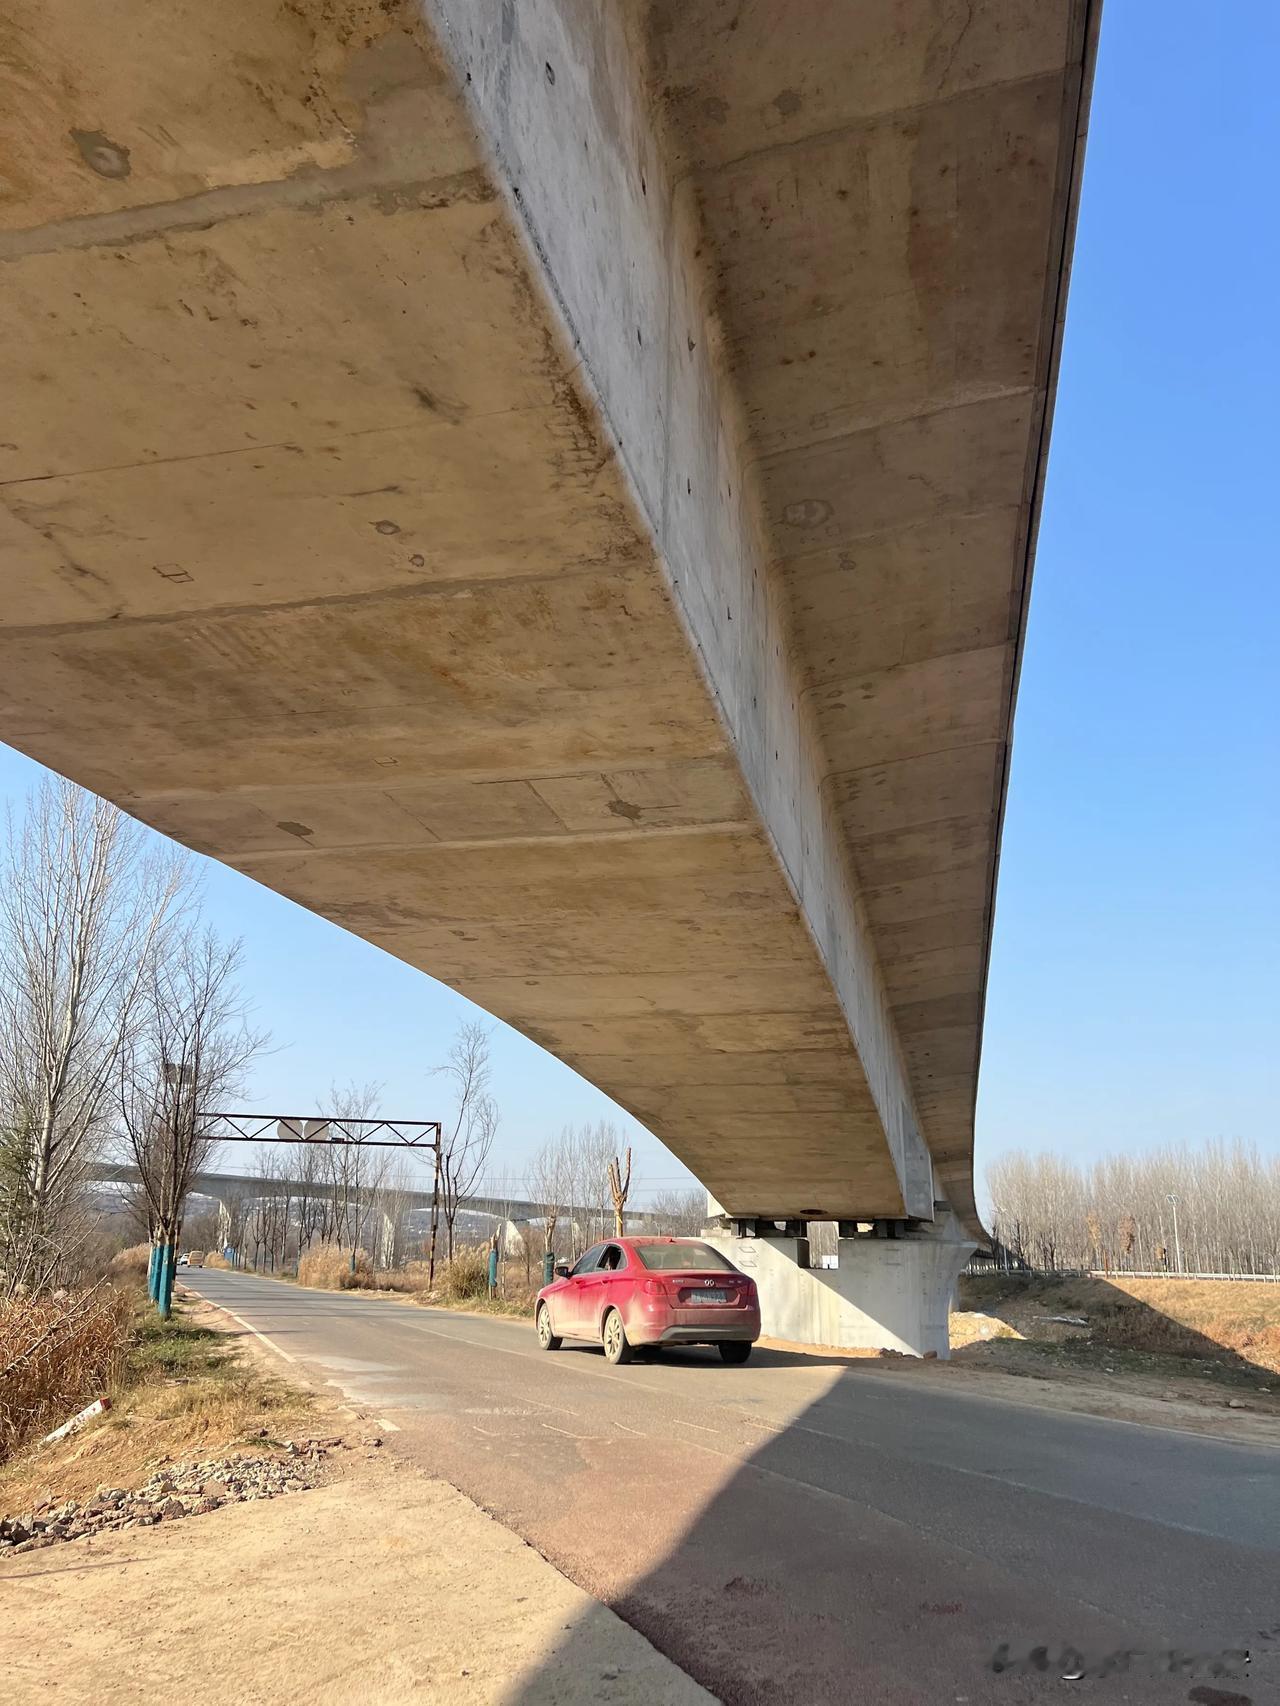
(891,1289)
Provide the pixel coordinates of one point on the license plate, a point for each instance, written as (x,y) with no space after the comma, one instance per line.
(708,1297)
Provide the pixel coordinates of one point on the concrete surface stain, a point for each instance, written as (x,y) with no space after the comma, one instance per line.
(108,159)
(808,512)
(449,411)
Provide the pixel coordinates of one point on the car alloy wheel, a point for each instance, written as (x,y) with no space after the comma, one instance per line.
(546,1338)
(616,1348)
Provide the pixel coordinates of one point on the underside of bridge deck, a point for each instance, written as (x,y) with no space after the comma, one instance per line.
(552,487)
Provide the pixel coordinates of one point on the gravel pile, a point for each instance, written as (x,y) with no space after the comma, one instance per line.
(176,1490)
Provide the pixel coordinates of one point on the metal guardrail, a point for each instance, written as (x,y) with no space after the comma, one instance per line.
(976,1265)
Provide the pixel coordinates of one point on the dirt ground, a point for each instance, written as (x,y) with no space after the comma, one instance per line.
(382,1585)
(1200,1356)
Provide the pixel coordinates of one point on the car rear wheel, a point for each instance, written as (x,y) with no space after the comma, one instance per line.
(616,1346)
(546,1338)
(734,1351)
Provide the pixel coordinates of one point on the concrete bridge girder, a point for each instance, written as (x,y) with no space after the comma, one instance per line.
(552,489)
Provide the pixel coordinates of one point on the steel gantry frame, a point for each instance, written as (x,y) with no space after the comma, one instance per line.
(322,1129)
(335,1131)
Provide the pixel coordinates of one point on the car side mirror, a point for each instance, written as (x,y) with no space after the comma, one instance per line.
(562,1270)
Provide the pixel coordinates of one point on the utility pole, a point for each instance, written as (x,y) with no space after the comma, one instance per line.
(1177,1245)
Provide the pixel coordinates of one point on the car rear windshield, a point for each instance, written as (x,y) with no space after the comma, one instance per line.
(685,1257)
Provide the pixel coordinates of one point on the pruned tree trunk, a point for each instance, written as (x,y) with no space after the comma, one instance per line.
(619,1186)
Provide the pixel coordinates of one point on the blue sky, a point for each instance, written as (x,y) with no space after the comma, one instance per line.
(1133,996)
(1133,989)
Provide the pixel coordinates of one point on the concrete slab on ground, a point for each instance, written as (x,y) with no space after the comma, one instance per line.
(385,1587)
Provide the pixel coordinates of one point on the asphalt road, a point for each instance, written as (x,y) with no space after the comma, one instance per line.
(807,1532)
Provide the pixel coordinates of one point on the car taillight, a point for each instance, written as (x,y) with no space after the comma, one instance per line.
(655,1288)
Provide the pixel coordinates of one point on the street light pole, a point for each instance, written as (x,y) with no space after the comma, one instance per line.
(1177,1245)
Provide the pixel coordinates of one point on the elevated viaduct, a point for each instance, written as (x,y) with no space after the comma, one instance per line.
(552,486)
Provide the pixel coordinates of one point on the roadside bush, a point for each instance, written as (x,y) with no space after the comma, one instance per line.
(327,1267)
(55,1357)
(129,1267)
(214,1260)
(466,1277)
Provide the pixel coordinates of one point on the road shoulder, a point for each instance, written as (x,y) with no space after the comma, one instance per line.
(383,1585)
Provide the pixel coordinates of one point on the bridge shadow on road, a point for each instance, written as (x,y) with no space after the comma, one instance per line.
(881,1547)
(694,1364)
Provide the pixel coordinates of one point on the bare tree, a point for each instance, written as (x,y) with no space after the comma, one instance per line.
(680,1214)
(83,913)
(466,1142)
(355,1173)
(510,1237)
(593,1148)
(311,1168)
(271,1212)
(619,1187)
(551,1184)
(188,1050)
(571,1177)
(391,1206)
(1119,1211)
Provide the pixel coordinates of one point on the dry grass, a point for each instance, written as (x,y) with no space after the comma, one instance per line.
(131,1266)
(182,1390)
(462,1283)
(466,1277)
(1186,1317)
(505,1306)
(327,1267)
(1207,1320)
(56,1355)
(214,1260)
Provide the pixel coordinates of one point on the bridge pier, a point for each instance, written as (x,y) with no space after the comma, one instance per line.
(891,1290)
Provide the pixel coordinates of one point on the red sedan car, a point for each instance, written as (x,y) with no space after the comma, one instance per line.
(637,1293)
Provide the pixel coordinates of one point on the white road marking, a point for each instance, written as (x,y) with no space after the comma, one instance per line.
(250,1328)
(566,1433)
